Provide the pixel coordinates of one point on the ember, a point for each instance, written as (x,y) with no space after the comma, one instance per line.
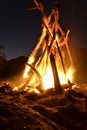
(49,69)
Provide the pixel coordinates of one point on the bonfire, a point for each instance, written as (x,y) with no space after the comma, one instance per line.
(50,64)
(42,102)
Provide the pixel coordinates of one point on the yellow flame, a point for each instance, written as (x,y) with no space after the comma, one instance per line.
(69,73)
(48,79)
(47,75)
(34,90)
(15,89)
(27,68)
(65,77)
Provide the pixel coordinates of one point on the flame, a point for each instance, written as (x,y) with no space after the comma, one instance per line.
(70,73)
(46,74)
(48,79)
(69,76)
(41,74)
(27,68)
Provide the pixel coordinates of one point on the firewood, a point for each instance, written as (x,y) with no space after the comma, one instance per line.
(57,85)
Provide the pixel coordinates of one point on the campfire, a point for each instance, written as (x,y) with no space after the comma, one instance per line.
(50,64)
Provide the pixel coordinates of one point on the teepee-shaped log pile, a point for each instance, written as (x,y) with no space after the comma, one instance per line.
(51,41)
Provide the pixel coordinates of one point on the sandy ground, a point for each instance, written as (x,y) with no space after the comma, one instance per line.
(45,111)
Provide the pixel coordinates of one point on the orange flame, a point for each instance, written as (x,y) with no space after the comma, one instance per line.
(52,44)
(47,78)
(30,61)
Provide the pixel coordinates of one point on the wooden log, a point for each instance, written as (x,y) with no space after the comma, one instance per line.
(57,84)
(30,78)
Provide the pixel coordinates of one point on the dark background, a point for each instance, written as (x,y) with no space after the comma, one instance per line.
(20,29)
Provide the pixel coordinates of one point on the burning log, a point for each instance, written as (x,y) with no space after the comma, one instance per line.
(27,82)
(50,63)
(57,85)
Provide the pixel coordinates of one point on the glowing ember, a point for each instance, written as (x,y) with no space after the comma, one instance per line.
(15,89)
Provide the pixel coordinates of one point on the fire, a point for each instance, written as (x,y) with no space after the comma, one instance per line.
(41,74)
(30,61)
(48,79)
(70,73)
(64,78)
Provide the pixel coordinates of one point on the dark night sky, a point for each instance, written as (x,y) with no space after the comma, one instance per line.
(20,29)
